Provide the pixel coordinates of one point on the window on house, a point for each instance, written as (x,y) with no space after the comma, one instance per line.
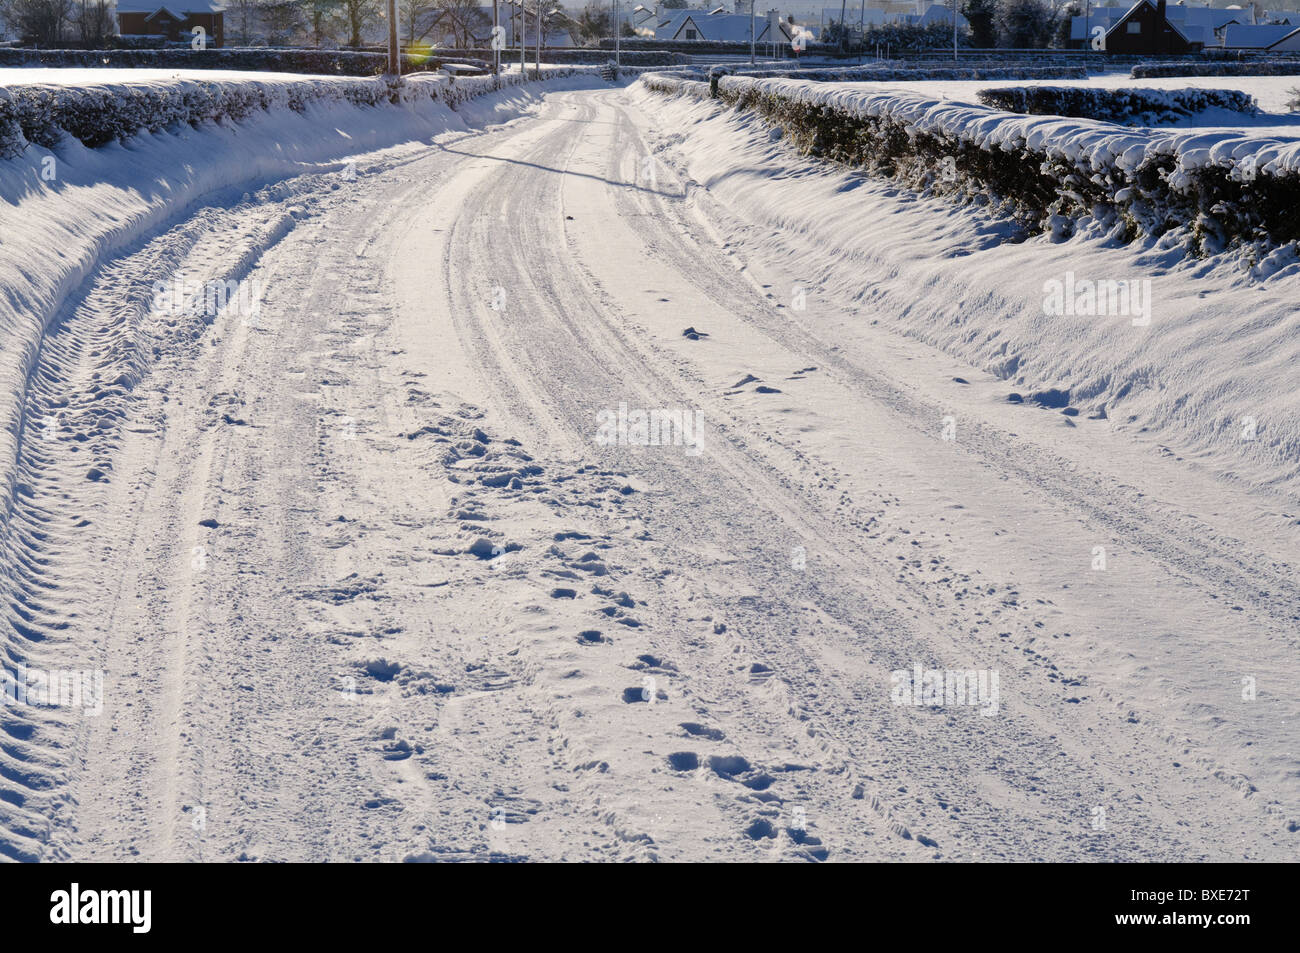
(1135,27)
(690,35)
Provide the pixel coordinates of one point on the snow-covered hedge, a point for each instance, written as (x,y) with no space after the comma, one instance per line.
(1220,188)
(1134,106)
(317,62)
(1201,68)
(589,56)
(96,115)
(895,74)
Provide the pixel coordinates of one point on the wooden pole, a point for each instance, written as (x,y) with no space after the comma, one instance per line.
(394,55)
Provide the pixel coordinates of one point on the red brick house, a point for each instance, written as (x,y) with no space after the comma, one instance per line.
(1146,29)
(172,20)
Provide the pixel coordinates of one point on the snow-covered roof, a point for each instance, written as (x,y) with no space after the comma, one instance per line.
(1248,36)
(1081,27)
(726,27)
(177,7)
(938,13)
(1288,44)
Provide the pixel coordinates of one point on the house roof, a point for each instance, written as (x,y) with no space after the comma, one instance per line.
(1081,27)
(719,27)
(175,7)
(1289,43)
(1179,28)
(1250,36)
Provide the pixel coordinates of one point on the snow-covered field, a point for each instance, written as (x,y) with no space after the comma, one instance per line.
(375,562)
(1271,92)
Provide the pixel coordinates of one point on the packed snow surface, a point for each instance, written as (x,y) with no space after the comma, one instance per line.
(379,560)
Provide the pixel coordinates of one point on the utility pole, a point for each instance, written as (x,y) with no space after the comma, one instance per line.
(394,55)
(539,39)
(618,32)
(751,31)
(844,31)
(954,31)
(497,42)
(862,31)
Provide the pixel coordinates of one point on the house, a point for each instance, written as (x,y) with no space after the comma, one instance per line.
(1147,28)
(1203,25)
(640,17)
(938,13)
(718,27)
(172,20)
(1253,36)
(1082,28)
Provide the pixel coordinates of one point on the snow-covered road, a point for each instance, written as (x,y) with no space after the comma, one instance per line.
(365,585)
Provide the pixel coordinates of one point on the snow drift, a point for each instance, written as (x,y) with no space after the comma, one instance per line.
(1199,354)
(1215,189)
(100,112)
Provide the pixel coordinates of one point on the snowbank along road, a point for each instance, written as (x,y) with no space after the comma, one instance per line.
(444,542)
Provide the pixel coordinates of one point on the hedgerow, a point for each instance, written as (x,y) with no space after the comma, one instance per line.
(1146,107)
(1221,189)
(96,115)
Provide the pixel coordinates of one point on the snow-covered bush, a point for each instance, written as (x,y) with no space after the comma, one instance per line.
(1134,106)
(896,74)
(1216,68)
(96,115)
(319,62)
(1218,188)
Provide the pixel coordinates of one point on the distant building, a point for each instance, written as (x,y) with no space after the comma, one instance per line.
(1147,28)
(715,26)
(1202,27)
(932,14)
(1254,36)
(173,20)
(1288,44)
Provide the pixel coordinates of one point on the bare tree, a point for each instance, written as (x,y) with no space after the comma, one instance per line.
(93,22)
(283,20)
(461,17)
(42,21)
(593,22)
(357,15)
(322,18)
(243,13)
(418,18)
